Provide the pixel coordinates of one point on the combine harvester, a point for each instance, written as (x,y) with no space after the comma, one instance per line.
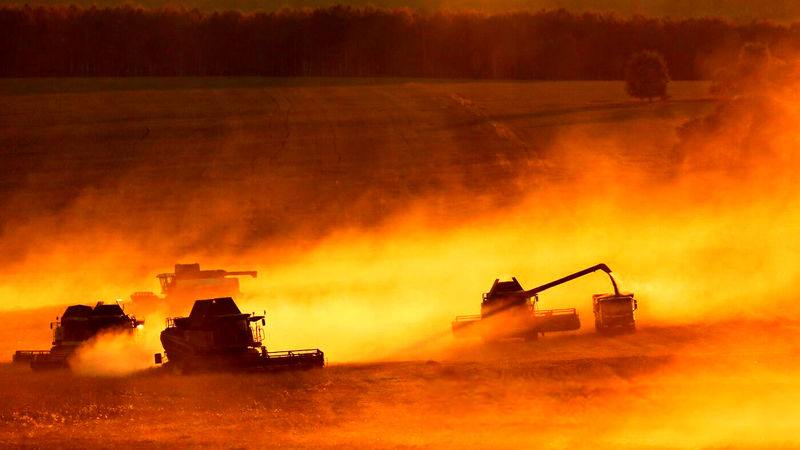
(216,336)
(188,283)
(507,311)
(78,324)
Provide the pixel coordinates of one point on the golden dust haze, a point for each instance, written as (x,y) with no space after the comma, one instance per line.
(707,239)
(117,354)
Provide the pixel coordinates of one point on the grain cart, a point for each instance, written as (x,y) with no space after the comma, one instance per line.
(613,313)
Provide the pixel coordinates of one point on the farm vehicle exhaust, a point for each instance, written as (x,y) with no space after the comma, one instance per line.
(509,311)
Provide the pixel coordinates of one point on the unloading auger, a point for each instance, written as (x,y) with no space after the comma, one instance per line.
(509,311)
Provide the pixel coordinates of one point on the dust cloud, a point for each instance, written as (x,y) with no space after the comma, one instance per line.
(706,238)
(709,237)
(704,233)
(707,243)
(116,354)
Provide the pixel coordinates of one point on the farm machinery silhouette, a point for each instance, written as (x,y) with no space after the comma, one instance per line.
(218,336)
(77,325)
(509,311)
(187,284)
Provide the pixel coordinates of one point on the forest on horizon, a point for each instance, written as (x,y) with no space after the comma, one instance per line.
(346,41)
(780,11)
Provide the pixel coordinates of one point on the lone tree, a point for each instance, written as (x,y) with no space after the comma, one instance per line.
(755,60)
(646,75)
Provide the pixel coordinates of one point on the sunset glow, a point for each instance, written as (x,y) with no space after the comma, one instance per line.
(379,168)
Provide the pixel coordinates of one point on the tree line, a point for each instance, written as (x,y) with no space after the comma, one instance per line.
(365,42)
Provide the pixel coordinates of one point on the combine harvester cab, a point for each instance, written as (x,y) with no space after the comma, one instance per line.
(216,336)
(78,324)
(508,311)
(188,283)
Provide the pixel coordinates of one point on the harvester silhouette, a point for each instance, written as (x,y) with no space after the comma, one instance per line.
(78,324)
(188,283)
(509,311)
(217,336)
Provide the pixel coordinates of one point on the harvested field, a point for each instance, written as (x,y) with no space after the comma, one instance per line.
(660,388)
(375,211)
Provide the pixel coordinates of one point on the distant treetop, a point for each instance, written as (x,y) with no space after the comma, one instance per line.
(347,41)
(646,75)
